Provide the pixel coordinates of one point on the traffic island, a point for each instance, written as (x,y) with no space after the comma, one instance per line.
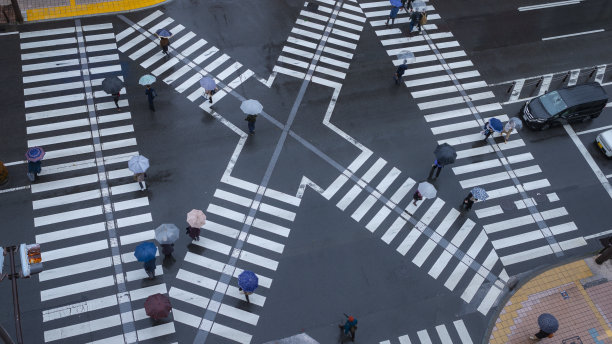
(577,294)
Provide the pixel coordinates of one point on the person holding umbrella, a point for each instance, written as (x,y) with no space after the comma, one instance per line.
(147,81)
(196,219)
(209,86)
(166,235)
(157,306)
(113,86)
(490,126)
(548,325)
(396,5)
(139,164)
(513,123)
(34,156)
(247,283)
(475,194)
(251,108)
(164,41)
(145,252)
(399,72)
(445,154)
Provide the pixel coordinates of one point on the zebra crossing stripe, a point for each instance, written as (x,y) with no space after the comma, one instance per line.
(76,288)
(82,328)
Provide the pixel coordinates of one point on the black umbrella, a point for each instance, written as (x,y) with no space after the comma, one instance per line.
(112,85)
(445,154)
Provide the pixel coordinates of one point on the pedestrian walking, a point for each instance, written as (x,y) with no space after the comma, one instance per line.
(151,94)
(149,267)
(140,178)
(208,94)
(246,294)
(167,249)
(407,5)
(164,43)
(508,127)
(349,327)
(436,165)
(251,123)
(116,100)
(395,8)
(548,326)
(34,168)
(468,201)
(417,197)
(486,131)
(399,73)
(193,232)
(415,19)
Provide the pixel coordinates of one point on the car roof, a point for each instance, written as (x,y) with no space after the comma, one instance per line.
(583,93)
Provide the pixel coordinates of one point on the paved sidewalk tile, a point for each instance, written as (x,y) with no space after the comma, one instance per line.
(577,294)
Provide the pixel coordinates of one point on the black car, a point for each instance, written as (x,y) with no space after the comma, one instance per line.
(570,104)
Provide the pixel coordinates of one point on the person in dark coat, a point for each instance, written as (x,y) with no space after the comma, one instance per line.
(350,326)
(393,15)
(487,131)
(399,73)
(436,165)
(149,267)
(416,197)
(151,94)
(193,232)
(116,100)
(251,123)
(167,249)
(415,19)
(34,168)
(468,201)
(164,43)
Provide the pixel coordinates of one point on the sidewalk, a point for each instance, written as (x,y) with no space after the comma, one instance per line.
(34,10)
(577,294)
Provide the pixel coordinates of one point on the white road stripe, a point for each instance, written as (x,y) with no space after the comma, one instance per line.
(47,32)
(349,197)
(443,334)
(140,274)
(49,65)
(526,255)
(440,264)
(48,43)
(271,227)
(153,331)
(573,34)
(213,245)
(331,72)
(132,43)
(337,52)
(73,269)
(477,166)
(54,100)
(227,332)
(76,288)
(48,54)
(64,183)
(391,233)
(364,207)
(145,49)
(99,37)
(52,88)
(67,216)
(221,229)
(133,220)
(377,220)
(101,47)
(426,219)
(74,250)
(472,288)
(489,300)
(150,18)
(517,239)
(463,332)
(258,260)
(51,76)
(441,78)
(79,308)
(548,5)
(66,199)
(70,233)
(424,252)
(82,328)
(424,337)
(264,243)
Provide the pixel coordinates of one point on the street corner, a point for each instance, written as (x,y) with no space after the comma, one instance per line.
(573,293)
(38,10)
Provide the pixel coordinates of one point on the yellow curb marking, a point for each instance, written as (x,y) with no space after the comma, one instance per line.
(74,10)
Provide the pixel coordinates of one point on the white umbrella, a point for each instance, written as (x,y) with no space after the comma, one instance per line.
(407,56)
(251,107)
(427,190)
(138,164)
(419,6)
(166,233)
(196,218)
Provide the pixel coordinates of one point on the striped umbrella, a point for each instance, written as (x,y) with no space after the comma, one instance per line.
(34,154)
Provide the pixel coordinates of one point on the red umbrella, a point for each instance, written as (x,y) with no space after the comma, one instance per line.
(157,306)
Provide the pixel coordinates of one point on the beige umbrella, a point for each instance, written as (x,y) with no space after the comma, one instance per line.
(196,218)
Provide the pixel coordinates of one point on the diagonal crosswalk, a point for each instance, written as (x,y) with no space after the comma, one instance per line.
(446,334)
(89,214)
(456,103)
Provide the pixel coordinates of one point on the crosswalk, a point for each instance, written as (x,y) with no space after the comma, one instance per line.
(322,42)
(521,218)
(89,214)
(455,334)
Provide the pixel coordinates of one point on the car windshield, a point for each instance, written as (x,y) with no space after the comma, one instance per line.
(553,103)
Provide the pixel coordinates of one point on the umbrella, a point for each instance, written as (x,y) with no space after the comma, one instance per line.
(496,124)
(145,251)
(146,80)
(196,218)
(248,281)
(445,154)
(208,83)
(138,164)
(479,193)
(251,107)
(427,190)
(112,85)
(407,56)
(516,123)
(35,154)
(164,33)
(167,233)
(419,6)
(157,306)
(548,323)
(396,3)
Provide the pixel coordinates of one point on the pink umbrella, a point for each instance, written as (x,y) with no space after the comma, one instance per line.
(196,218)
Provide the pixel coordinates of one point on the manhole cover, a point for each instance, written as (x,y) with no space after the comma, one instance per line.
(507,204)
(573,340)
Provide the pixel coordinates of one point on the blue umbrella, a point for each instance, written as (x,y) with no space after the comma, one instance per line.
(164,33)
(208,83)
(35,154)
(248,281)
(496,124)
(479,193)
(145,251)
(396,3)
(548,323)
(146,80)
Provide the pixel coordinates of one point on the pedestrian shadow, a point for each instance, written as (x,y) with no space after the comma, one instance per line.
(195,249)
(168,261)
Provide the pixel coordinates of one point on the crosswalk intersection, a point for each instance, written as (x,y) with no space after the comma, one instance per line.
(456,102)
(89,214)
(445,334)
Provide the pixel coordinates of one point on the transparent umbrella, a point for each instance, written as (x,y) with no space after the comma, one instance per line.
(407,56)
(251,107)
(427,190)
(146,80)
(138,164)
(167,233)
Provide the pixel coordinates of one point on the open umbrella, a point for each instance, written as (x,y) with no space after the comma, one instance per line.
(496,124)
(145,251)
(419,6)
(196,218)
(112,85)
(35,154)
(407,56)
(396,3)
(248,281)
(445,154)
(157,306)
(167,233)
(251,107)
(138,164)
(163,33)
(208,83)
(479,193)
(516,122)
(146,80)
(548,323)
(427,190)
